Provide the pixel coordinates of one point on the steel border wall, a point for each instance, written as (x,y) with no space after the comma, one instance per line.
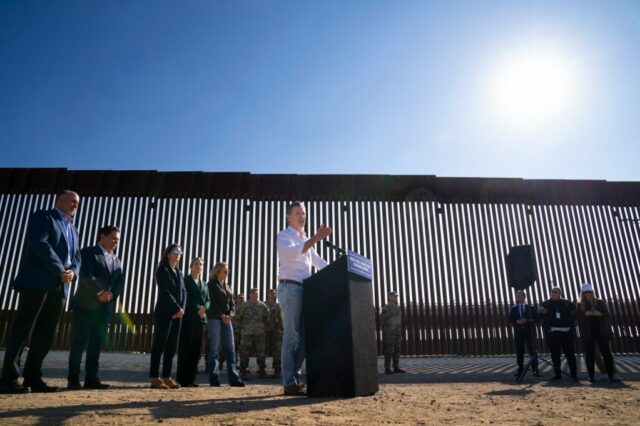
(440,242)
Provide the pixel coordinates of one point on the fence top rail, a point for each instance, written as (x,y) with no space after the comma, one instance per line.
(278,187)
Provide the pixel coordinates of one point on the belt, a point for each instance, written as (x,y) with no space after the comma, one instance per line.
(298,283)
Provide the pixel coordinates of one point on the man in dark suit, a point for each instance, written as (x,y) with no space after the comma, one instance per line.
(50,263)
(523,317)
(101,282)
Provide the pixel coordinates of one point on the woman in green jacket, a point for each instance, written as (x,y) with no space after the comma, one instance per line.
(193,322)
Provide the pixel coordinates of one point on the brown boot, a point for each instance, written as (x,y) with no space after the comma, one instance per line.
(158,384)
(170,383)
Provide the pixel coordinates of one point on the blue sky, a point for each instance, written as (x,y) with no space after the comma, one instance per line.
(324,87)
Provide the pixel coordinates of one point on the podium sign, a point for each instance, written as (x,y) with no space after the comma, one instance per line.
(359,265)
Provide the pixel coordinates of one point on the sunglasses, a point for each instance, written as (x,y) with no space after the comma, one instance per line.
(176,251)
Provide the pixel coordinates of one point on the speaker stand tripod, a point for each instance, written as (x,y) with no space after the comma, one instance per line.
(536,358)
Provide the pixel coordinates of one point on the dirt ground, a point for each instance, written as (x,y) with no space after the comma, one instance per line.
(434,391)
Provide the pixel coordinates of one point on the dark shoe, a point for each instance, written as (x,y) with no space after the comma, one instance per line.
(244,374)
(387,371)
(615,379)
(555,378)
(215,384)
(536,373)
(40,387)
(237,385)
(592,379)
(262,374)
(96,384)
(575,378)
(294,390)
(398,370)
(74,386)
(12,387)
(518,373)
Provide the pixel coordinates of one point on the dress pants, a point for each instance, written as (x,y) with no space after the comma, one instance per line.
(562,342)
(90,331)
(525,338)
(189,348)
(37,316)
(165,341)
(605,350)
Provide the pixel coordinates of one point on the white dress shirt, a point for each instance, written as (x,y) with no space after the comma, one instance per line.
(108,257)
(295,265)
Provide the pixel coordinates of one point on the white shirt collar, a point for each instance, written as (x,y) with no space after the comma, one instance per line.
(104,250)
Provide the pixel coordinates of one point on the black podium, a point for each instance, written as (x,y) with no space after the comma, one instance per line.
(340,331)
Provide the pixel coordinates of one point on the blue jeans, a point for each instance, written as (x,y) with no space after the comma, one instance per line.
(220,333)
(290,297)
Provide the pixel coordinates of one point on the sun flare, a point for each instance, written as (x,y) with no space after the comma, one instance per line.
(533,87)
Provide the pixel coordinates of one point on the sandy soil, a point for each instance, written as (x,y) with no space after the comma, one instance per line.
(536,402)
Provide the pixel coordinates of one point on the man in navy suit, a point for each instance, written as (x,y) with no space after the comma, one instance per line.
(50,263)
(523,317)
(101,282)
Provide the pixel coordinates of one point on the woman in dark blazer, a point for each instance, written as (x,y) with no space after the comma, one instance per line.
(594,323)
(193,322)
(220,313)
(169,310)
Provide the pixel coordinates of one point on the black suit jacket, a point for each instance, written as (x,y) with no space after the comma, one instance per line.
(221,297)
(172,294)
(530,313)
(96,277)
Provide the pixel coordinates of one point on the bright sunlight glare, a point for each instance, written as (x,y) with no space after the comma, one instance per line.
(533,88)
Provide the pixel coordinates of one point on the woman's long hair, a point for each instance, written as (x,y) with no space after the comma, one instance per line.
(194,261)
(164,261)
(216,269)
(585,305)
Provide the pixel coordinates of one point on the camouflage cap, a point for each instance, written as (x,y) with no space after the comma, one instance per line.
(273,290)
(393,293)
(253,290)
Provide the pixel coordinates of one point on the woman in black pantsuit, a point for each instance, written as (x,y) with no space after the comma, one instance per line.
(167,316)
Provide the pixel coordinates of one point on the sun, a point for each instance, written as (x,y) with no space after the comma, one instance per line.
(533,87)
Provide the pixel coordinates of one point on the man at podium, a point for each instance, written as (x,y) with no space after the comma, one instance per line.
(296,256)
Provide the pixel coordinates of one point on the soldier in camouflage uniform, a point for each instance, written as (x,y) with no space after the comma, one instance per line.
(274,332)
(391,324)
(236,324)
(252,318)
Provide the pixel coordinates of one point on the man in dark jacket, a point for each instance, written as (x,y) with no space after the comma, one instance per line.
(558,316)
(101,282)
(523,317)
(50,263)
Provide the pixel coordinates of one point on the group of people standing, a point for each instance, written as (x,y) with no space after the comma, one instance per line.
(559,317)
(52,260)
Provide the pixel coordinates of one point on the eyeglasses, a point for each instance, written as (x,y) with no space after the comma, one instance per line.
(176,251)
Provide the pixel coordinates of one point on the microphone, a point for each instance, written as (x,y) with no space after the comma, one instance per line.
(340,251)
